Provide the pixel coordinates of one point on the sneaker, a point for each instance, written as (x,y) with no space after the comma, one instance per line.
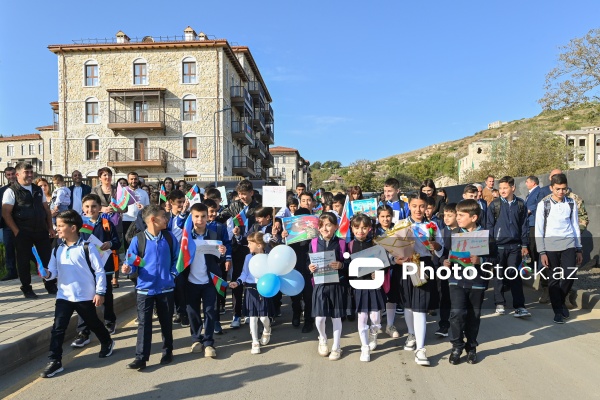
(255,348)
(335,354)
(81,340)
(218,329)
(545,297)
(323,349)
(155,312)
(372,339)
(210,351)
(411,343)
(245,320)
(399,311)
(177,319)
(236,324)
(106,349)
(30,295)
(442,332)
(111,327)
(559,319)
(421,357)
(522,312)
(136,321)
(472,357)
(432,313)
(196,347)
(392,331)
(137,364)
(185,321)
(500,309)
(454,358)
(265,338)
(365,354)
(167,358)
(53,368)
(565,312)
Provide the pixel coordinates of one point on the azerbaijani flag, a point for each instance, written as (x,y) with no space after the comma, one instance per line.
(163,193)
(113,203)
(88,225)
(318,210)
(135,260)
(527,271)
(462,258)
(422,238)
(188,246)
(192,192)
(38,261)
(219,283)
(241,219)
(344,231)
(318,195)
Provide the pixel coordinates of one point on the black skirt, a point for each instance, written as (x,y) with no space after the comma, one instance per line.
(417,298)
(328,300)
(395,293)
(368,300)
(256,305)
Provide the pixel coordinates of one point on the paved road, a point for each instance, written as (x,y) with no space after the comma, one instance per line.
(518,359)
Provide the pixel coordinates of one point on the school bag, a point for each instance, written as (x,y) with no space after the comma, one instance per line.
(548,205)
(497,203)
(86,252)
(141,250)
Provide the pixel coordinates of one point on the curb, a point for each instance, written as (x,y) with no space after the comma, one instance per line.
(586,299)
(36,343)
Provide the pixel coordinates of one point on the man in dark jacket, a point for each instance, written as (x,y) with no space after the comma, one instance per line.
(7,235)
(78,191)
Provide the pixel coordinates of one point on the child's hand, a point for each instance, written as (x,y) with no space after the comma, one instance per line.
(335,265)
(312,268)
(233,285)
(105,246)
(126,269)
(139,206)
(476,260)
(447,263)
(284,234)
(222,249)
(227,266)
(107,210)
(98,300)
(186,203)
(236,231)
(401,260)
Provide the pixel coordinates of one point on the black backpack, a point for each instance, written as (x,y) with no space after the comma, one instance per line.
(141,237)
(86,251)
(497,203)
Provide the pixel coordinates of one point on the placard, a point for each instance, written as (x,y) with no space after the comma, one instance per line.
(324,272)
(372,252)
(274,196)
(476,242)
(366,206)
(223,195)
(300,228)
(209,247)
(104,254)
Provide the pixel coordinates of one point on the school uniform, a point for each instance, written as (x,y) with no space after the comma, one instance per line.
(255,305)
(175,226)
(400,208)
(223,236)
(445,303)
(418,298)
(367,300)
(394,273)
(330,299)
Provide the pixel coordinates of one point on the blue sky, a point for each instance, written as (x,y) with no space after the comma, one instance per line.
(350,80)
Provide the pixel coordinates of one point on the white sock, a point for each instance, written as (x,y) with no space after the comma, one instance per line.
(320,323)
(390,313)
(363,328)
(337,332)
(254,329)
(375,321)
(410,322)
(266,325)
(420,321)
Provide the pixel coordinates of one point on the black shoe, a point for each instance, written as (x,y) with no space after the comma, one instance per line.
(177,319)
(137,364)
(296,320)
(565,312)
(185,321)
(442,332)
(559,319)
(472,357)
(53,368)
(167,358)
(455,357)
(53,291)
(106,349)
(432,313)
(308,327)
(343,318)
(9,278)
(30,295)
(111,327)
(351,317)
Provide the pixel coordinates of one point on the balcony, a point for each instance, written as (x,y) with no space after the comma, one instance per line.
(277,173)
(267,135)
(268,161)
(131,158)
(242,132)
(260,173)
(136,109)
(241,100)
(243,166)
(257,92)
(258,120)
(268,112)
(135,119)
(258,149)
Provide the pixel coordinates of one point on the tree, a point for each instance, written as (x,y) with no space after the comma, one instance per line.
(316,165)
(362,173)
(577,75)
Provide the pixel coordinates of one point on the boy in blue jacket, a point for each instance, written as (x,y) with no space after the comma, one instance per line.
(153,254)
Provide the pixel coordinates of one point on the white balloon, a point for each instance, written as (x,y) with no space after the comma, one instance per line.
(282,260)
(259,265)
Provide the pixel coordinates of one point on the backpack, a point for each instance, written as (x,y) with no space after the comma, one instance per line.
(497,203)
(86,252)
(141,237)
(548,205)
(314,241)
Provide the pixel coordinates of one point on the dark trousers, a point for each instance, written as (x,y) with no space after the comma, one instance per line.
(180,282)
(306,296)
(509,256)
(238,292)
(562,265)
(434,300)
(194,295)
(23,244)
(109,309)
(164,309)
(465,316)
(62,315)
(445,304)
(9,252)
(535,256)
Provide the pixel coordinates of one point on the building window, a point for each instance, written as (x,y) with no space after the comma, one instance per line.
(189,109)
(50,166)
(188,70)
(91,112)
(140,111)
(10,150)
(22,149)
(91,73)
(582,142)
(31,149)
(140,73)
(40,149)
(190,147)
(92,149)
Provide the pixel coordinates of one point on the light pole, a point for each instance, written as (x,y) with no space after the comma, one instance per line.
(215,139)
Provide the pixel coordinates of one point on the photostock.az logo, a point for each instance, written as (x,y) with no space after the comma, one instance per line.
(363,266)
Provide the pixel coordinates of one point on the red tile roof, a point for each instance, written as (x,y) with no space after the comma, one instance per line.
(281,149)
(45,128)
(32,136)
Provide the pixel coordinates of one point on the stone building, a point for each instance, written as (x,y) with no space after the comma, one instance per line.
(584,147)
(27,148)
(156,106)
(290,168)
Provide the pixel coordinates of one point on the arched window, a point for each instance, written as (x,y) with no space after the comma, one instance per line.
(189,108)
(10,150)
(188,70)
(92,114)
(140,72)
(91,73)
(92,148)
(190,145)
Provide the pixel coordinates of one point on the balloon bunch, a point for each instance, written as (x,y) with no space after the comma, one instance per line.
(275,272)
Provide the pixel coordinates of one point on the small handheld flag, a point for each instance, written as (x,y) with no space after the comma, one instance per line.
(40,267)
(219,283)
(163,193)
(188,246)
(462,258)
(318,210)
(135,260)
(318,195)
(525,270)
(88,226)
(192,192)
(344,231)
(113,203)
(241,219)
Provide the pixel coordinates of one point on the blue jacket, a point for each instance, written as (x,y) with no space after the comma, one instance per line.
(512,226)
(157,275)
(483,214)
(106,236)
(545,191)
(531,202)
(400,206)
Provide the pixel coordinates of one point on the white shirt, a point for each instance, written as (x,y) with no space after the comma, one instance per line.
(9,195)
(562,226)
(198,270)
(132,209)
(61,196)
(77,206)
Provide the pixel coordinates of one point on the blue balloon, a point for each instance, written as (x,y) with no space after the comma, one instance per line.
(268,285)
(292,283)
